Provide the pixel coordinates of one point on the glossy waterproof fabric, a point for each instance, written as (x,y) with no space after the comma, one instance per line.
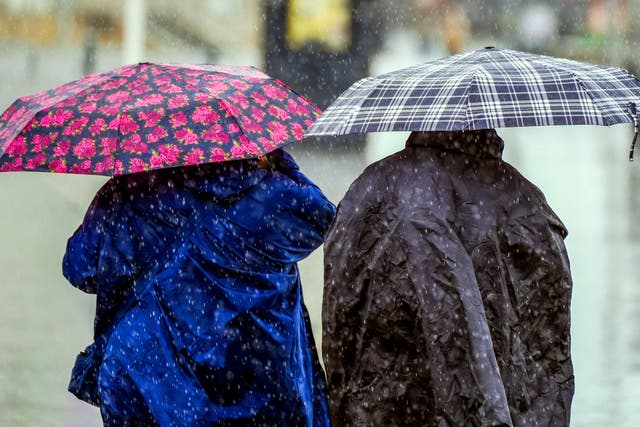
(150,116)
(447,293)
(219,334)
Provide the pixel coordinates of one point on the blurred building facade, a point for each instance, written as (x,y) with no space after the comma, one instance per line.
(280,32)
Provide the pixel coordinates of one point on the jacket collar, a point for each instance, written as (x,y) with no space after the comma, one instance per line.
(478,143)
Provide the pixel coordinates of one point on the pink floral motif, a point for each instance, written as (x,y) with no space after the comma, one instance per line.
(178,119)
(216,133)
(118,97)
(266,143)
(114,124)
(99,125)
(118,167)
(62,148)
(260,99)
(75,127)
(240,99)
(58,165)
(14,165)
(258,115)
(233,128)
(250,126)
(82,168)
(178,101)
(69,102)
(278,132)
(234,110)
(162,80)
(186,136)
(239,84)
(136,165)
(278,112)
(204,114)
(195,156)
(298,131)
(274,92)
(191,81)
(99,167)
(248,146)
(17,147)
(296,108)
(238,151)
(205,98)
(127,124)
(139,90)
(110,109)
(169,153)
(85,149)
(109,146)
(95,96)
(128,72)
(112,84)
(170,88)
(217,155)
(36,161)
(156,161)
(216,88)
(87,107)
(134,144)
(42,141)
(157,134)
(150,99)
(61,116)
(151,118)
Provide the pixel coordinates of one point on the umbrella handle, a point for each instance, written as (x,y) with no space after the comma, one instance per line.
(634,114)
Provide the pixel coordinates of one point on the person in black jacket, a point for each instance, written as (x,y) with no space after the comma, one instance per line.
(447,293)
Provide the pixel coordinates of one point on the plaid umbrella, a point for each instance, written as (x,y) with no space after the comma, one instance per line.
(484,89)
(150,116)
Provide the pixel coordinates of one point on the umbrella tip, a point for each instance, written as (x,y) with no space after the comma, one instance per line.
(489,47)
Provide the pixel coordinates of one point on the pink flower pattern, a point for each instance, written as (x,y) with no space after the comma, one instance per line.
(186,136)
(152,116)
(195,156)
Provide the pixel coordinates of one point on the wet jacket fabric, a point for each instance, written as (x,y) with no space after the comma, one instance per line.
(447,292)
(219,333)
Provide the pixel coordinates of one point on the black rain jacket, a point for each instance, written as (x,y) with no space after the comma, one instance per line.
(447,293)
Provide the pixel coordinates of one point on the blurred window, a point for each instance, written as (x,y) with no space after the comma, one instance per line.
(313,22)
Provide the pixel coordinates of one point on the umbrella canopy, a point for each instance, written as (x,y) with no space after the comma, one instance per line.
(484,89)
(149,116)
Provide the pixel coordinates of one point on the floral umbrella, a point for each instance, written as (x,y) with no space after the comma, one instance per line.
(150,116)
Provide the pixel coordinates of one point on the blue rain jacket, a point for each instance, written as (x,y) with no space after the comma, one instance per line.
(218,333)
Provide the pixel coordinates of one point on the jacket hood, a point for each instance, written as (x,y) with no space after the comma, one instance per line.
(483,143)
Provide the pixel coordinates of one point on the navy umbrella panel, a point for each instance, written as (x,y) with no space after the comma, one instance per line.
(484,89)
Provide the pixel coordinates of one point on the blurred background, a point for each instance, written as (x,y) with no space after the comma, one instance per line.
(320,47)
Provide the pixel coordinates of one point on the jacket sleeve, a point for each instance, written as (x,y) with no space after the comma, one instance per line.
(101,253)
(81,259)
(284,218)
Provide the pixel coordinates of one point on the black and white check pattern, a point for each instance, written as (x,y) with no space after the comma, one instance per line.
(484,89)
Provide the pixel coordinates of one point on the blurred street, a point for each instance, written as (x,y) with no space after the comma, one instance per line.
(583,171)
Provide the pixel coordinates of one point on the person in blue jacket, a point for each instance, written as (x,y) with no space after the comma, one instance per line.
(199,304)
